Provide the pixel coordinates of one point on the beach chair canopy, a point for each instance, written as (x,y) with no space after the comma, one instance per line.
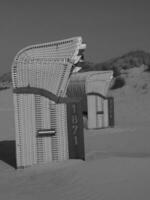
(89,82)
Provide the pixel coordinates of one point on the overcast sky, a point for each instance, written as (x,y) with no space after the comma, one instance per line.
(109,28)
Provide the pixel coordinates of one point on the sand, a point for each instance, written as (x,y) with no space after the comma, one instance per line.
(117,165)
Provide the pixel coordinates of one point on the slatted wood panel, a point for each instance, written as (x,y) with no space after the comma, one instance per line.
(111,111)
(106,110)
(75,131)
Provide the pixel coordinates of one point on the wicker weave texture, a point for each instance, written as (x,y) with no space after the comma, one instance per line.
(47,66)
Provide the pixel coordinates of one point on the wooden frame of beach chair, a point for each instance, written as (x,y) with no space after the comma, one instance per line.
(37,68)
(92,87)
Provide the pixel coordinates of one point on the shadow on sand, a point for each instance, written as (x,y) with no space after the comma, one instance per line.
(8,152)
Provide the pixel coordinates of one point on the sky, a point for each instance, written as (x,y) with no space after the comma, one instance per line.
(109,28)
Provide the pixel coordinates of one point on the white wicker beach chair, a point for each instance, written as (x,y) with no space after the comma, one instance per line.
(40,75)
(92,87)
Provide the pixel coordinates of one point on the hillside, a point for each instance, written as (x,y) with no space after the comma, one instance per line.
(132,100)
(5,81)
(126,61)
(119,66)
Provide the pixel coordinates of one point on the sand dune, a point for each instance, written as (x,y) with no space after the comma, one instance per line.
(117,162)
